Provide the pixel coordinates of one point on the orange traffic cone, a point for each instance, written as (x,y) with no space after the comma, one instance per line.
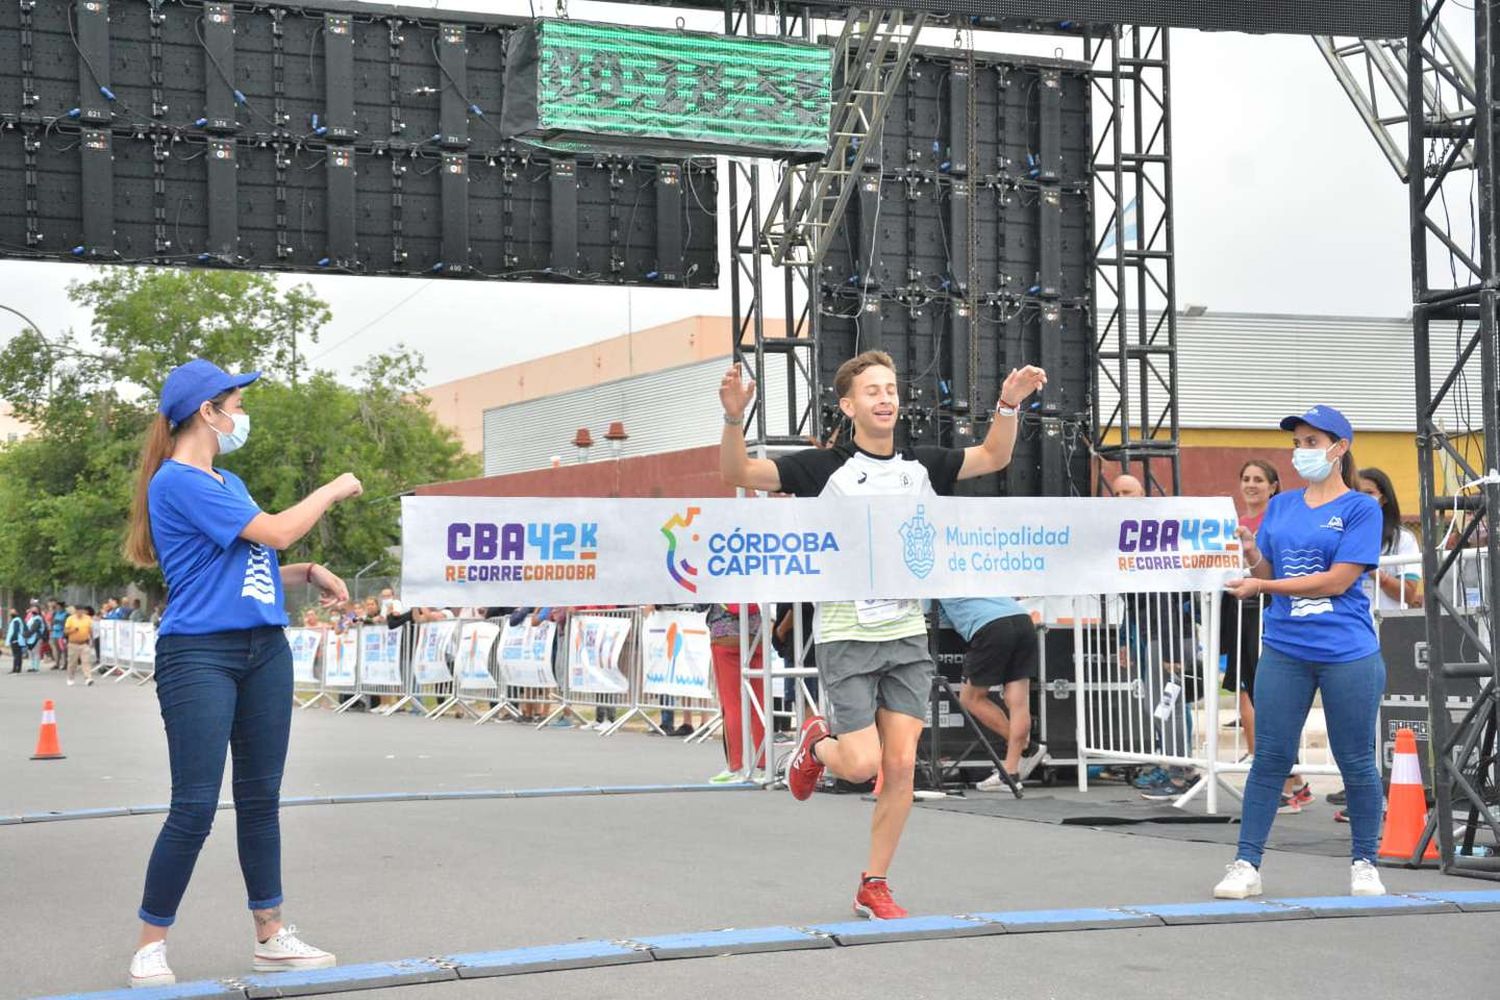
(47,746)
(1406,804)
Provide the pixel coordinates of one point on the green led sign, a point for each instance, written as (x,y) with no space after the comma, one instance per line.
(608,86)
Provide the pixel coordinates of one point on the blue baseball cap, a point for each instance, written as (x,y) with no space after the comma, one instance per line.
(1325,419)
(189,385)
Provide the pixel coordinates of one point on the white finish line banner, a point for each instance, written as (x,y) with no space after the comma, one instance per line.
(468,551)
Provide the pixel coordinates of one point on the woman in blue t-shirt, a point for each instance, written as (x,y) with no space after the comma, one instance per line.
(223,667)
(1310,556)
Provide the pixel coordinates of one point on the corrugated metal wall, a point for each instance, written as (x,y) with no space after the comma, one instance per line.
(663,411)
(1247,370)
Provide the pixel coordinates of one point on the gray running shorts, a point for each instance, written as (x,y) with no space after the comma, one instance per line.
(859,677)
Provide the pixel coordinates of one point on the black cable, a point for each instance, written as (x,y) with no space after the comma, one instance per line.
(107,93)
(239,96)
(473,108)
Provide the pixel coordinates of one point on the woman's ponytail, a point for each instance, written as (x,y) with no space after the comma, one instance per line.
(160,440)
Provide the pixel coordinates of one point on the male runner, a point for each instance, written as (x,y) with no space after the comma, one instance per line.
(872,656)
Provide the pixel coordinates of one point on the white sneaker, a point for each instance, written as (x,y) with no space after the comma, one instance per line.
(148,967)
(1240,880)
(70,682)
(285,952)
(1031,759)
(1364,879)
(991,784)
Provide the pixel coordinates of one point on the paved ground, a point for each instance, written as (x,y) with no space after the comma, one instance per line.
(387,881)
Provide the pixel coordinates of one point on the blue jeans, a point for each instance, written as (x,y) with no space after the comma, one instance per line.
(1284,688)
(227,689)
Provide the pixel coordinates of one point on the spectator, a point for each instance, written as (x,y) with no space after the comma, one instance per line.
(136,612)
(724,647)
(107,609)
(156,613)
(310,619)
(782,638)
(1157,638)
(1001,649)
(1391,591)
(79,627)
(389,604)
(59,620)
(1239,633)
(370,613)
(34,633)
(15,637)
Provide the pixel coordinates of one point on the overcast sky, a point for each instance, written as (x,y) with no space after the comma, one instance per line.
(1284,204)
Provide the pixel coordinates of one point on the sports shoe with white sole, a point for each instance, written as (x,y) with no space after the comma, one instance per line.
(1241,879)
(285,951)
(994,783)
(1364,879)
(148,967)
(1031,758)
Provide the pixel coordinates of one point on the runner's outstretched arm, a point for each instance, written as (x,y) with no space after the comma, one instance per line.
(994,454)
(735,463)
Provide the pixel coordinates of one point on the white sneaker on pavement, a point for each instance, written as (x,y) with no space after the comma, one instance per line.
(284,952)
(1364,879)
(991,784)
(148,967)
(1241,879)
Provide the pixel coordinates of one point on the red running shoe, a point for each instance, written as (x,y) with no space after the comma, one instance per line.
(874,901)
(803,772)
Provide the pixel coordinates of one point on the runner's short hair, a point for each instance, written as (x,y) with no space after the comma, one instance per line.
(843,379)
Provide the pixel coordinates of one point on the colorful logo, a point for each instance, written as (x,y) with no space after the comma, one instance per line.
(678,567)
(917,537)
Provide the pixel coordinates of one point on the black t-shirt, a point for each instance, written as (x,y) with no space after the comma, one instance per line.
(848,470)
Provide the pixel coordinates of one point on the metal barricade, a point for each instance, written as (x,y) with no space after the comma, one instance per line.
(475,674)
(109,650)
(307,645)
(143,656)
(601,666)
(341,667)
(124,650)
(431,665)
(674,672)
(381,667)
(1141,663)
(526,656)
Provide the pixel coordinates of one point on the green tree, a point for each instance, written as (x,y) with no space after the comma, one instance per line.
(65,492)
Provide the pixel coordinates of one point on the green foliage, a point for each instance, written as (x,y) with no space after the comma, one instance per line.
(65,492)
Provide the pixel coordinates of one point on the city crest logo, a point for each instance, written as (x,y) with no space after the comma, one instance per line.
(680,569)
(917,549)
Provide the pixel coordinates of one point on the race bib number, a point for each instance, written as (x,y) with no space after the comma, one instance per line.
(880,612)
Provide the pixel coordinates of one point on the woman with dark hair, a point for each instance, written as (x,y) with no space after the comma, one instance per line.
(223,666)
(1310,556)
(1391,591)
(1240,638)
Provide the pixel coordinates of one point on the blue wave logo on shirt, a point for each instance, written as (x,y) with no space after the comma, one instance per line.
(1306,562)
(917,536)
(258,583)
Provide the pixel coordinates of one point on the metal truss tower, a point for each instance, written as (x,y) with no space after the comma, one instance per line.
(1457,283)
(1135,270)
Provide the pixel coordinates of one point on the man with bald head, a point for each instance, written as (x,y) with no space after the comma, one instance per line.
(1156,641)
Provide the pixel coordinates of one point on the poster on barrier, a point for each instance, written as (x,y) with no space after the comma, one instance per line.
(594,647)
(675,654)
(435,642)
(380,651)
(125,642)
(108,651)
(472,662)
(526,654)
(144,645)
(304,643)
(339,660)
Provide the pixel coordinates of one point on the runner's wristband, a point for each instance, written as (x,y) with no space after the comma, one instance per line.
(732,421)
(1005,409)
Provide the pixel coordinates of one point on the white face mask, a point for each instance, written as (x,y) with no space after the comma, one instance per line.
(235,439)
(1312,464)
